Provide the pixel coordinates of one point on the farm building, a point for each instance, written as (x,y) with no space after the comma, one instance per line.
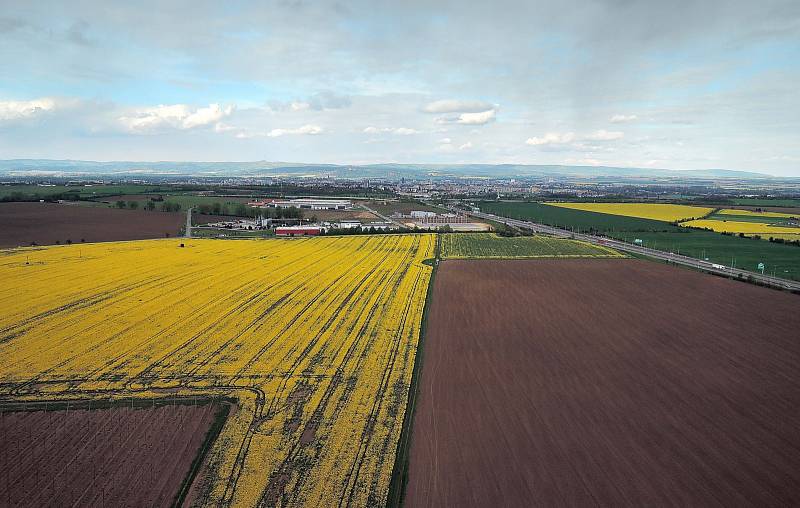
(305,203)
(298,231)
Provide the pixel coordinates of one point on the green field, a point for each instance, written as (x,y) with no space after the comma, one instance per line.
(759,219)
(578,219)
(766,202)
(187,201)
(718,248)
(487,245)
(33,192)
(746,253)
(198,232)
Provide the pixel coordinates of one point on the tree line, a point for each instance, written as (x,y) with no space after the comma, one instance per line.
(164,206)
(242,210)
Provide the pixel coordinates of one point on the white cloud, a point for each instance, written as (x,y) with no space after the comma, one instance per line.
(309,130)
(480,118)
(552,138)
(604,135)
(400,131)
(223,127)
(300,106)
(206,116)
(12,110)
(466,146)
(561,139)
(175,116)
(456,106)
(445,140)
(623,118)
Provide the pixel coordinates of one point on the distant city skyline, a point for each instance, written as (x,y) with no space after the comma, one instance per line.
(673,85)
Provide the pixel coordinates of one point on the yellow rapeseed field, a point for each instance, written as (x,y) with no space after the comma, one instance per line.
(315,337)
(655,211)
(731,226)
(750,213)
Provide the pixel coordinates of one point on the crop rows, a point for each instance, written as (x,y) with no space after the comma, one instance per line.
(92,457)
(485,245)
(316,337)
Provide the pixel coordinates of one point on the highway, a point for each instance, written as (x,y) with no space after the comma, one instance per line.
(707,266)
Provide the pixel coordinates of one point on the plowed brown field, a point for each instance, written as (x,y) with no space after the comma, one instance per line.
(610,382)
(48,223)
(100,457)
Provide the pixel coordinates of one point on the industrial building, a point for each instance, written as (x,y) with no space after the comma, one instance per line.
(305,203)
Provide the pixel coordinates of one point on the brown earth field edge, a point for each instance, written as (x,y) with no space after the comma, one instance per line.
(48,223)
(100,457)
(605,382)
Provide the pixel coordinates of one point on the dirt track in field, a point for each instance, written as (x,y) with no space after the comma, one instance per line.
(610,382)
(48,223)
(101,457)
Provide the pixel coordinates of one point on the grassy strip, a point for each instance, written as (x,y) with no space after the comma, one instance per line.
(213,432)
(397,484)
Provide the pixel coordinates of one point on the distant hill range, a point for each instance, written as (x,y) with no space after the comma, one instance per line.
(46,167)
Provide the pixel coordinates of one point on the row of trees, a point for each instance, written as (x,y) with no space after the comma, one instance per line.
(18,196)
(242,210)
(165,206)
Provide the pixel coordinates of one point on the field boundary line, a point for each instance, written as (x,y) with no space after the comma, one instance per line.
(399,477)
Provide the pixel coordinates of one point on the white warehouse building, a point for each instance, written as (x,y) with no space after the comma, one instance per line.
(305,203)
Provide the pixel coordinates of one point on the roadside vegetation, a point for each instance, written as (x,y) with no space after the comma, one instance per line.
(779,256)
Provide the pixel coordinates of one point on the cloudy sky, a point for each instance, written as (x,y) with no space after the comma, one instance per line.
(683,85)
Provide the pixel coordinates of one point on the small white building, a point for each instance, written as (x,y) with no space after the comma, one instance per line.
(420,214)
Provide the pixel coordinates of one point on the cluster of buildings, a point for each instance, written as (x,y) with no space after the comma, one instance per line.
(304,203)
(424,219)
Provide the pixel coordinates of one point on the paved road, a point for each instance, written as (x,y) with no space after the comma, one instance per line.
(678,259)
(188,232)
